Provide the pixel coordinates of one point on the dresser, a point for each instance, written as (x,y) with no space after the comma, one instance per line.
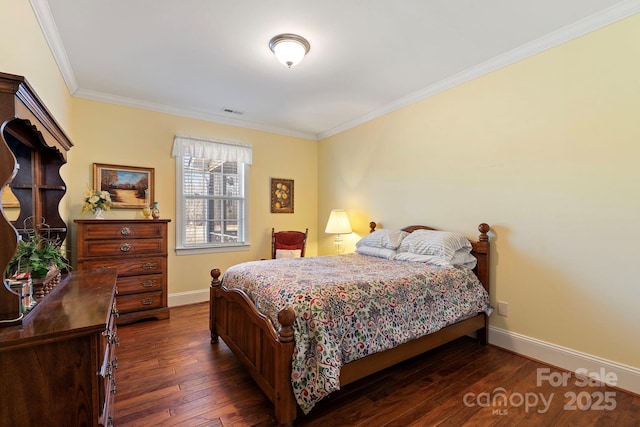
(58,366)
(138,250)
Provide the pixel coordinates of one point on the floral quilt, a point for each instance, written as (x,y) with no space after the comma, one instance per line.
(350,306)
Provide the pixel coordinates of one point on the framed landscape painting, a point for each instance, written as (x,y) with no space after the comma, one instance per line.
(130,187)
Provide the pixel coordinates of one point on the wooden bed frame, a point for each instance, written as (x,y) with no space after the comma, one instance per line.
(267,353)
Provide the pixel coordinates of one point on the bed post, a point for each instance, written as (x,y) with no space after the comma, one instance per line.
(481,249)
(215,284)
(285,404)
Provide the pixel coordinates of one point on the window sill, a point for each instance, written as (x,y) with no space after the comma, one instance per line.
(212,249)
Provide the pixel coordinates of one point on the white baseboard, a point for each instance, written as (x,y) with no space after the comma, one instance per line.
(628,377)
(190,297)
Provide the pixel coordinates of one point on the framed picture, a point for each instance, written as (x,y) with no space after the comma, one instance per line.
(281,195)
(130,187)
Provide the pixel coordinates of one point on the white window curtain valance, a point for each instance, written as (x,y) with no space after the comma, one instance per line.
(210,149)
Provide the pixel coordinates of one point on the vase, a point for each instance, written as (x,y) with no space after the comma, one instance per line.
(98,213)
(155,212)
(146,212)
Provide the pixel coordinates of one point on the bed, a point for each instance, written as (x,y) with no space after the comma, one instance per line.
(266,328)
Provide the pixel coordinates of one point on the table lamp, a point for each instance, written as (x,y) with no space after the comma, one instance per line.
(338,224)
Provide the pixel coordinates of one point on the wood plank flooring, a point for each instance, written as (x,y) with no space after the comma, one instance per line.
(170,375)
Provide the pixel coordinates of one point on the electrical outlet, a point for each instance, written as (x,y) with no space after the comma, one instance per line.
(503,308)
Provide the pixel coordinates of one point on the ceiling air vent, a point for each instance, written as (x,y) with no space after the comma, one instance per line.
(232,111)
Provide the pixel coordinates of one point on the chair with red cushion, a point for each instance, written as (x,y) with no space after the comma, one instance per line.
(288,244)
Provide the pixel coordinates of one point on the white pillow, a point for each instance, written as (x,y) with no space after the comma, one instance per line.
(377,252)
(390,239)
(461,258)
(288,253)
(443,244)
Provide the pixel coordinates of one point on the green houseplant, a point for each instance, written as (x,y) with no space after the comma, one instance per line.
(37,255)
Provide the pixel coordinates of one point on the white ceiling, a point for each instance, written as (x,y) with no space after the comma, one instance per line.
(368,57)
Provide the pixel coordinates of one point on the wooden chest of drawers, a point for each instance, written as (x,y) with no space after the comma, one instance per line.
(138,250)
(58,367)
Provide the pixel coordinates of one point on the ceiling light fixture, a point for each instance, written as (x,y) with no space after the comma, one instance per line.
(290,49)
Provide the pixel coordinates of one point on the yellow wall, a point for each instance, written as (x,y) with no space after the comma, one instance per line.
(111,134)
(546,151)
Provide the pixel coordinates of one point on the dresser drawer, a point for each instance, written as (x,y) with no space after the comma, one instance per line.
(123,248)
(135,284)
(137,249)
(137,302)
(126,230)
(130,266)
(108,408)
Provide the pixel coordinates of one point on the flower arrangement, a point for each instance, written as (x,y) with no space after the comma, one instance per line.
(94,200)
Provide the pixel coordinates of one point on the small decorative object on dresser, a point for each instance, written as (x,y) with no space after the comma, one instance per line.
(97,202)
(146,212)
(155,212)
(138,249)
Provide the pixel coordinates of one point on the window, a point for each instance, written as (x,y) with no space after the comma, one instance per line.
(211,195)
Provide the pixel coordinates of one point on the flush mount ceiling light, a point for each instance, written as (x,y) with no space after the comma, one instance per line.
(290,49)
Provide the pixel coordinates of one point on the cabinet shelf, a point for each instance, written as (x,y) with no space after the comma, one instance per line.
(15,186)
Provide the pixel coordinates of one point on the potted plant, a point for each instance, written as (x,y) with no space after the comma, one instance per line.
(37,256)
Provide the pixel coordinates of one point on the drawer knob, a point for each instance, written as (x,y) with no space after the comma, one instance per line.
(147,301)
(149,265)
(109,369)
(125,247)
(125,231)
(148,283)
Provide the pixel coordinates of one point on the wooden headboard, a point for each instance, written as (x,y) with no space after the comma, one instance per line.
(480,249)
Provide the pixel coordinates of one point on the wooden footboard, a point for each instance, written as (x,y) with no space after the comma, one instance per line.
(267,353)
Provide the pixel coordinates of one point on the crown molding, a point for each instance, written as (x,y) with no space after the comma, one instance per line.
(570,32)
(52,36)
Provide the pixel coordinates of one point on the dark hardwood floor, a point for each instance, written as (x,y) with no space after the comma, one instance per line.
(170,375)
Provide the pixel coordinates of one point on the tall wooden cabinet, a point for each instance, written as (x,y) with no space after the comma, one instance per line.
(33,147)
(58,367)
(138,250)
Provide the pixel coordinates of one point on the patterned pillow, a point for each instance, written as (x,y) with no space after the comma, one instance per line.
(389,239)
(443,244)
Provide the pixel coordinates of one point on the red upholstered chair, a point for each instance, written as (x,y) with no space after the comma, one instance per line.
(285,244)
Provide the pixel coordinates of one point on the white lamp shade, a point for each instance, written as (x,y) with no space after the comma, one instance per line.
(338,222)
(289,52)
